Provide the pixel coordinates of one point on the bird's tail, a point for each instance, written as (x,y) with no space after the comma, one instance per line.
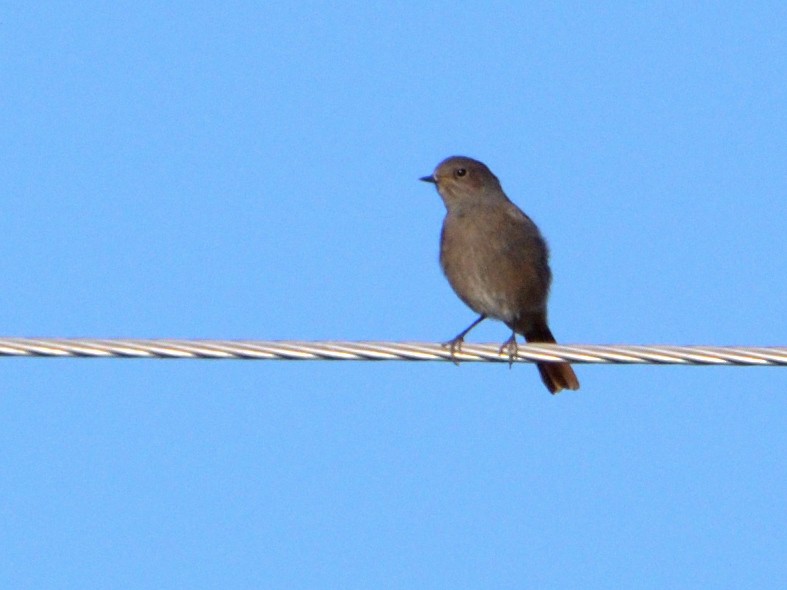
(556,376)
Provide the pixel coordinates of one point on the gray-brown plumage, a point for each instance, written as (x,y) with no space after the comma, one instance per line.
(496,260)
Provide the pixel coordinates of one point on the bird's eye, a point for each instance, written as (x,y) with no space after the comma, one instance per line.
(461,172)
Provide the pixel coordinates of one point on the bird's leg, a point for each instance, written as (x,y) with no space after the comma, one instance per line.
(512,347)
(455,345)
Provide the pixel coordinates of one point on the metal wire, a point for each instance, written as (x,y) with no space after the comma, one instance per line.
(388,351)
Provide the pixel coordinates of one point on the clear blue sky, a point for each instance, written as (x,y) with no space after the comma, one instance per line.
(243,170)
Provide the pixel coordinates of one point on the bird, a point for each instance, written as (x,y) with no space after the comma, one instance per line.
(496,261)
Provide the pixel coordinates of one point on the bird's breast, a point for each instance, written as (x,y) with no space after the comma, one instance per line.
(493,263)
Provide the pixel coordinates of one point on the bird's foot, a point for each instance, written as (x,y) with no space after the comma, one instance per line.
(454,346)
(511,347)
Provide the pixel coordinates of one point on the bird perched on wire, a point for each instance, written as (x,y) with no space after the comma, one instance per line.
(496,260)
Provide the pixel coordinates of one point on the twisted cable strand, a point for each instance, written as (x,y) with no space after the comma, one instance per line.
(379,351)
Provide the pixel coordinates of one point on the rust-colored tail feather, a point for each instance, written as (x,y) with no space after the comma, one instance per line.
(556,376)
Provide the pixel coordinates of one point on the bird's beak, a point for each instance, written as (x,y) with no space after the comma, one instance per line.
(428,179)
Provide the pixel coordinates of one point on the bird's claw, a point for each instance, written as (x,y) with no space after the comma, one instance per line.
(453,347)
(511,347)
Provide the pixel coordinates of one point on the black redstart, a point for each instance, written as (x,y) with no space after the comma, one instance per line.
(496,260)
